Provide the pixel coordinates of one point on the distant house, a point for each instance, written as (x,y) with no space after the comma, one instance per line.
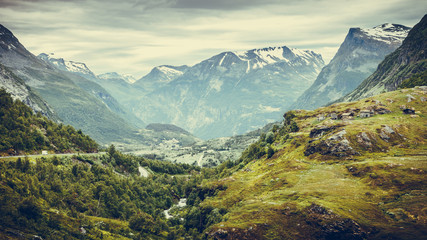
(365,113)
(347,116)
(333,116)
(44,152)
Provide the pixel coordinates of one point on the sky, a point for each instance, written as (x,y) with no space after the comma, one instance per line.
(133,36)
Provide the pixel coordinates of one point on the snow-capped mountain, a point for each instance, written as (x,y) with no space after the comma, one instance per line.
(116,76)
(232,92)
(74,99)
(160,76)
(408,60)
(356,59)
(81,75)
(70,66)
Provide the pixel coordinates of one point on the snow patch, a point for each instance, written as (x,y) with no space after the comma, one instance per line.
(387,33)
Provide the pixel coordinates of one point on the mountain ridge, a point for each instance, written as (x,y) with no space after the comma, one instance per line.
(407,60)
(224,85)
(357,58)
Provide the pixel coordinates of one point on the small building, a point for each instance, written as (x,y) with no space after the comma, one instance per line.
(365,113)
(44,152)
(333,116)
(347,116)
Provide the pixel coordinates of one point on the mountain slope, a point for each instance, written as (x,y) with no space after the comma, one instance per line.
(356,59)
(330,179)
(407,60)
(83,77)
(232,93)
(20,91)
(70,102)
(159,77)
(23,132)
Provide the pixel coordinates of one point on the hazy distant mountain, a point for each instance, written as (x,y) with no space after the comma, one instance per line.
(69,66)
(159,77)
(356,59)
(81,75)
(230,93)
(113,75)
(122,88)
(65,94)
(408,60)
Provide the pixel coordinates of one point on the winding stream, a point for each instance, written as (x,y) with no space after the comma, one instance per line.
(182,203)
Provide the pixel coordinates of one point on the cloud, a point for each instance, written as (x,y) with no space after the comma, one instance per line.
(133,36)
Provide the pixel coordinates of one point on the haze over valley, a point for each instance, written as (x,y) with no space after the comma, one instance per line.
(213,120)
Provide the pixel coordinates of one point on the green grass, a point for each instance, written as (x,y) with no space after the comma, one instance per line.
(382,188)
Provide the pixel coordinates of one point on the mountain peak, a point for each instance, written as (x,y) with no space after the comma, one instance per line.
(7,37)
(271,55)
(71,66)
(387,32)
(114,75)
(357,58)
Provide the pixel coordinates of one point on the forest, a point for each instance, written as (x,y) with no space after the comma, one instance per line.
(23,132)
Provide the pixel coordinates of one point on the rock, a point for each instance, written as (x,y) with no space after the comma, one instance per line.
(385,133)
(333,226)
(423,99)
(364,139)
(319,131)
(408,111)
(335,145)
(410,97)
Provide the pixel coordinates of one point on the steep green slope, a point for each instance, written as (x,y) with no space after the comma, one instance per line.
(407,60)
(320,178)
(23,132)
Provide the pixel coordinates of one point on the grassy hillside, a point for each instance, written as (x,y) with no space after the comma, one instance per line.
(330,179)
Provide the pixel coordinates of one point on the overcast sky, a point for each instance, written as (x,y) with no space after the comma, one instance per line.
(133,36)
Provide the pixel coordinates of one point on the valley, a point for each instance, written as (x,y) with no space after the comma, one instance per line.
(266,143)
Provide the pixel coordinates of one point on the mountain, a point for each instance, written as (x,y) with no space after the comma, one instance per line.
(20,91)
(113,75)
(159,77)
(230,93)
(73,104)
(408,60)
(356,59)
(83,77)
(122,88)
(69,66)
